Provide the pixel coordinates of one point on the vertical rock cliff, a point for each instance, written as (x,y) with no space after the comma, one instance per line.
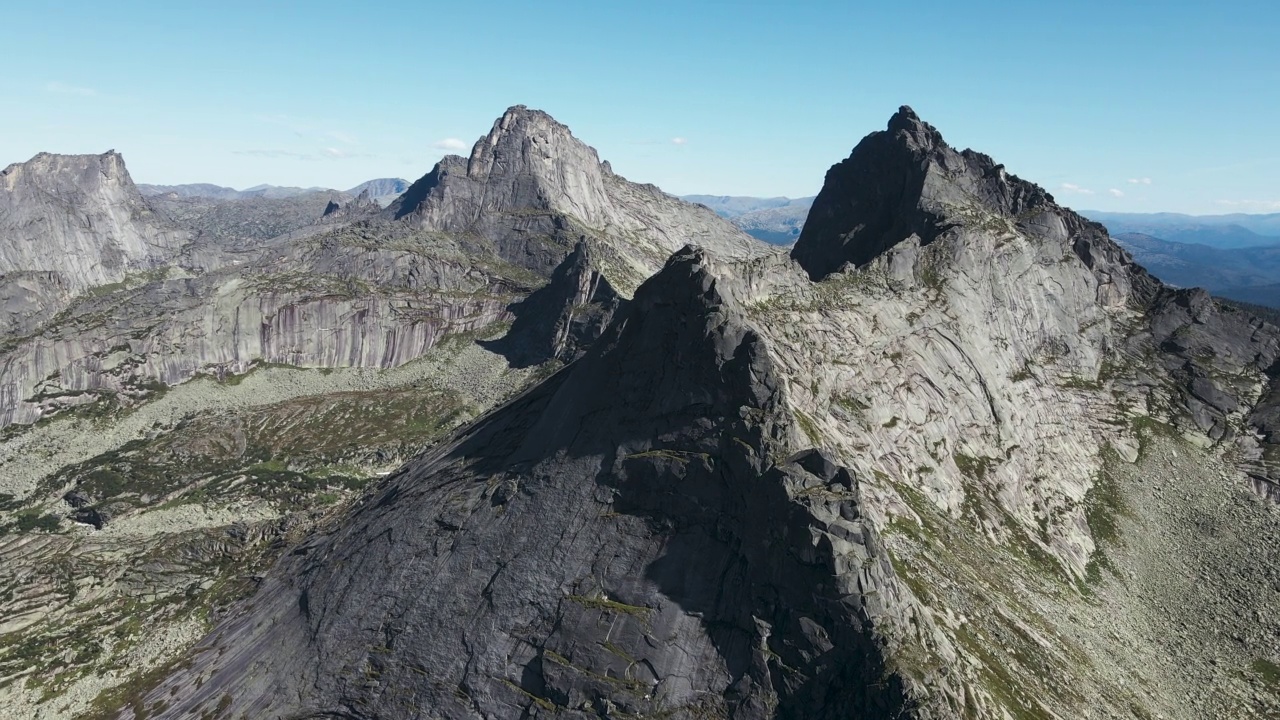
(79,216)
(622,540)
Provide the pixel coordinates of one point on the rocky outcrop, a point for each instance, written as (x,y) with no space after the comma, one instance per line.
(532,189)
(564,317)
(318,280)
(384,191)
(133,342)
(29,299)
(956,457)
(81,217)
(362,206)
(894,492)
(906,182)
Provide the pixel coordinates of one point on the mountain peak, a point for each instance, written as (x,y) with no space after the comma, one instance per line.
(68,170)
(906,125)
(527,161)
(906,181)
(527,139)
(532,189)
(80,216)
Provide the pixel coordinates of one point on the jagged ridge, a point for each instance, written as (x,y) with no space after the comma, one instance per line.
(532,189)
(608,524)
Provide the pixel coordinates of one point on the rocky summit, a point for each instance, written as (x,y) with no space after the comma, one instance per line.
(954,455)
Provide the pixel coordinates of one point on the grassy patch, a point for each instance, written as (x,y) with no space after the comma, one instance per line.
(1076,382)
(606,605)
(1023,373)
(974,467)
(809,427)
(1268,671)
(1104,505)
(541,702)
(25,522)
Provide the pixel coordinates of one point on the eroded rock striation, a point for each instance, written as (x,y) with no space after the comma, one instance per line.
(69,223)
(79,216)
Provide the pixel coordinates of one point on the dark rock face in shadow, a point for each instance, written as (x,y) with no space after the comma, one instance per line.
(906,181)
(561,319)
(624,539)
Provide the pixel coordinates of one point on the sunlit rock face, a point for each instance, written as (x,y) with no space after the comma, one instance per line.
(107,301)
(530,179)
(956,458)
(81,217)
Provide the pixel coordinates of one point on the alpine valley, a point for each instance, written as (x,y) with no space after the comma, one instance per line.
(525,439)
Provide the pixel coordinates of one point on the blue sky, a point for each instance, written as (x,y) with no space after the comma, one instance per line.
(1117,105)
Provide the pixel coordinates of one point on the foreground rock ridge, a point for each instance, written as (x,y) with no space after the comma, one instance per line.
(607,525)
(247,368)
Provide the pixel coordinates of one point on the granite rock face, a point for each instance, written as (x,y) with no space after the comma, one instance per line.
(362,205)
(530,182)
(563,318)
(79,216)
(318,280)
(906,182)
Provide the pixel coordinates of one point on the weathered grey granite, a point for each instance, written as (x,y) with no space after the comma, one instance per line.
(350,287)
(79,216)
(531,188)
(563,318)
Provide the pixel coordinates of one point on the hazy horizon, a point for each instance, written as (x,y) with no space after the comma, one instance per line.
(1099,103)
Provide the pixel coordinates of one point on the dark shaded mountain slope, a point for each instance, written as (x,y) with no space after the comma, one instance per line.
(592,549)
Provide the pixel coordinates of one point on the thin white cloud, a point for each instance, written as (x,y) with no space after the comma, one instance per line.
(308,129)
(61,88)
(679,141)
(1072,187)
(328,153)
(274,154)
(1116,192)
(1140,181)
(1266,205)
(344,138)
(449,144)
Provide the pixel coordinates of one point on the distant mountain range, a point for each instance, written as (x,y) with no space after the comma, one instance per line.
(381,190)
(776,220)
(1250,274)
(1220,231)
(1233,256)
